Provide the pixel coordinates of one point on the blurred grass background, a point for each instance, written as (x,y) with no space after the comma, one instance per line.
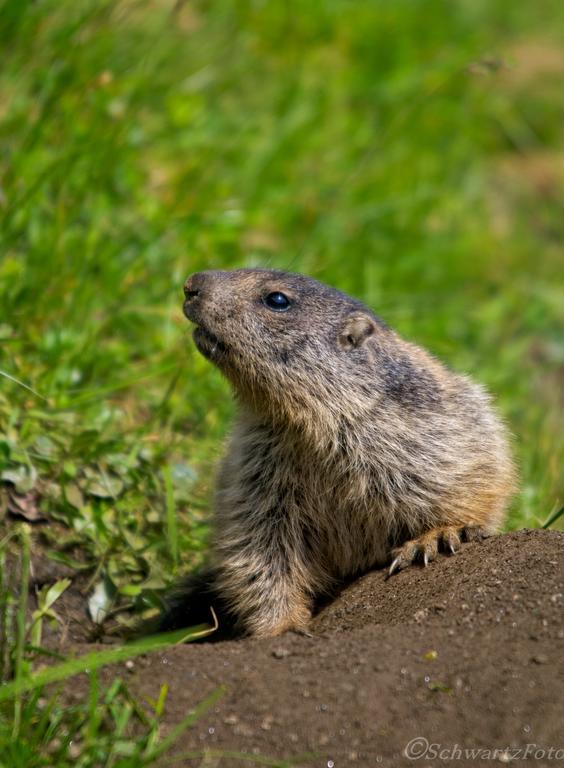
(408,152)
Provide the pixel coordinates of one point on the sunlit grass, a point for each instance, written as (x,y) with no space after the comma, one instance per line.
(408,153)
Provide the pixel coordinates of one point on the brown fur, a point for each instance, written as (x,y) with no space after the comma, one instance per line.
(352,447)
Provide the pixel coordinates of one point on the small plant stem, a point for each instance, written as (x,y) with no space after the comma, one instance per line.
(19,662)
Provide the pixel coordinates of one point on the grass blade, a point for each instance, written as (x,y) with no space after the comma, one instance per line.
(19,661)
(553,517)
(95,660)
(21,384)
(187,722)
(171,522)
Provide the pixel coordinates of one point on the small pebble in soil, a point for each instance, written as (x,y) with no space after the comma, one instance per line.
(266,724)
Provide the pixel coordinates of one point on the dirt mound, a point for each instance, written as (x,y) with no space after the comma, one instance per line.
(463,655)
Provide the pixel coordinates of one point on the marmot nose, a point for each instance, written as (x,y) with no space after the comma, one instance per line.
(192,286)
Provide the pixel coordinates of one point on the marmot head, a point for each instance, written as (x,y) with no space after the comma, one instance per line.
(283,340)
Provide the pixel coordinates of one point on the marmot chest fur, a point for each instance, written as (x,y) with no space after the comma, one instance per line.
(353,448)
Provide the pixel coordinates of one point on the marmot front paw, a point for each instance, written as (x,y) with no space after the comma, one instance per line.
(425,548)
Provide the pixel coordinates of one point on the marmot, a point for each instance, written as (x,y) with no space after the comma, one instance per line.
(352,448)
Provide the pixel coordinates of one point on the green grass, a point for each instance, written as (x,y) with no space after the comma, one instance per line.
(107,726)
(407,152)
(38,726)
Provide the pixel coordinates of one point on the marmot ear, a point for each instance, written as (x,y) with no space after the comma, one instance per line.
(355,330)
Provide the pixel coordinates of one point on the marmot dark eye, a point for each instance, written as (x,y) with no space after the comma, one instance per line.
(277,301)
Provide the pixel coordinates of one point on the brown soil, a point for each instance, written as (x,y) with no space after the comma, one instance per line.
(466,654)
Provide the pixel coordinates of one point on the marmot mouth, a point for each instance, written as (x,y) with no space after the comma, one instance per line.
(208,344)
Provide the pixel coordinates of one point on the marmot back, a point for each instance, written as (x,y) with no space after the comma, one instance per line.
(352,448)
